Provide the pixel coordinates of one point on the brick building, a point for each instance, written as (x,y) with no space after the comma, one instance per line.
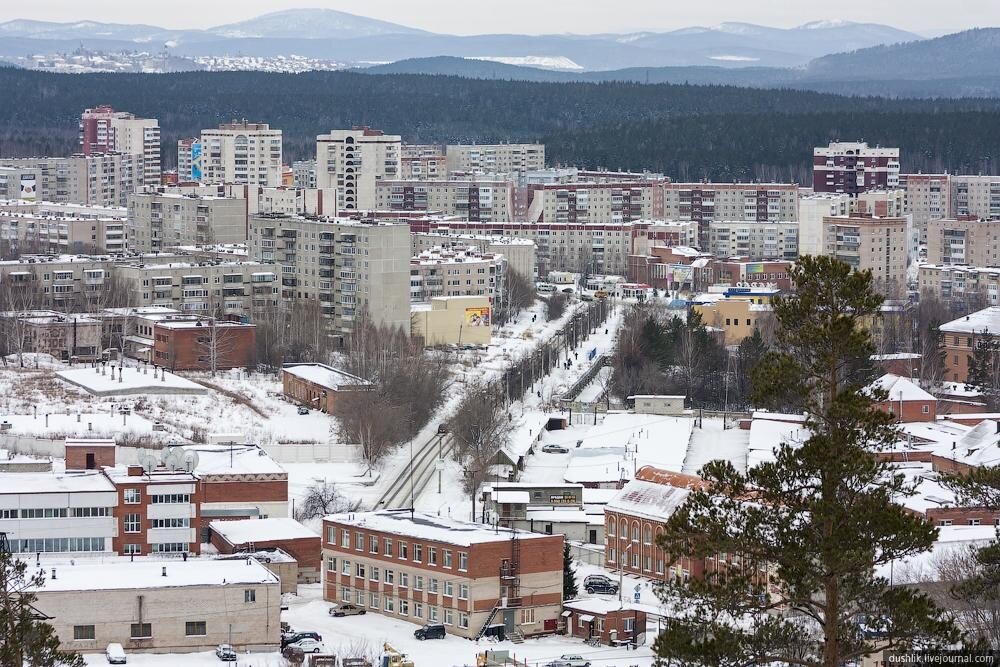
(58,334)
(203,344)
(606,621)
(158,511)
(906,399)
(961,337)
(287,534)
(317,385)
(431,569)
(853,167)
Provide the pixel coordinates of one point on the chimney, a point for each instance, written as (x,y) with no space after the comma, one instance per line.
(135,471)
(164,571)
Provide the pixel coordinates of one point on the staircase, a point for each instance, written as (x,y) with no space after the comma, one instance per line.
(517,637)
(489,621)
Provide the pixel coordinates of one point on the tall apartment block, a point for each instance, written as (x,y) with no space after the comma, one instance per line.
(242,152)
(423,167)
(304,173)
(600,203)
(853,167)
(756,240)
(486,200)
(189,160)
(63,228)
(813,209)
(878,244)
(157,222)
(354,161)
(964,241)
(457,271)
(104,130)
(977,196)
(99,179)
(344,265)
(495,158)
(928,197)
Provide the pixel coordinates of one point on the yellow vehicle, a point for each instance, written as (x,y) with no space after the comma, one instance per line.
(393,658)
(601,294)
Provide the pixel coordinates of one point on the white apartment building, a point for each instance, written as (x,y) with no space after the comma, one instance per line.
(354,161)
(812,210)
(104,130)
(967,241)
(518,252)
(974,286)
(928,197)
(477,199)
(242,152)
(159,221)
(457,271)
(99,179)
(63,228)
(599,203)
(977,196)
(878,244)
(495,158)
(344,265)
(704,202)
(423,167)
(58,512)
(304,173)
(756,240)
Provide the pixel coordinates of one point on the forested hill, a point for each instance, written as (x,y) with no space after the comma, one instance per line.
(704,131)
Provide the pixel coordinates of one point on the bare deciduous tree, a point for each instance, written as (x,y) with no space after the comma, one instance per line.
(17,298)
(323,498)
(370,420)
(480,427)
(977,615)
(555,306)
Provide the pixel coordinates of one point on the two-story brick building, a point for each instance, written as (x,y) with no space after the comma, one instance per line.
(431,569)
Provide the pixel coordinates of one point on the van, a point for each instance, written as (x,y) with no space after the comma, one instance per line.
(115,654)
(430,631)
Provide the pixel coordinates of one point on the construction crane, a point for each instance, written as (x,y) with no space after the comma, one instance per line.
(393,658)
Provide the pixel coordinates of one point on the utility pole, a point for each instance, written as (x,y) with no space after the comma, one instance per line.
(439,461)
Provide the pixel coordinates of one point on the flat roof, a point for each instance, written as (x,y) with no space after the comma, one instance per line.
(430,527)
(233,460)
(323,375)
(90,481)
(982,321)
(261,530)
(144,573)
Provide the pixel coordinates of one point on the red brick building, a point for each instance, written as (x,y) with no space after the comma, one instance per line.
(248,535)
(318,385)
(607,621)
(906,399)
(431,569)
(158,511)
(854,167)
(89,454)
(206,344)
(737,270)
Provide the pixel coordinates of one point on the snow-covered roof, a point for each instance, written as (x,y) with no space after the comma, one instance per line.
(595,605)
(563,515)
(648,499)
(90,481)
(511,497)
(596,464)
(900,388)
(430,527)
(982,321)
(323,375)
(144,573)
(261,530)
(233,459)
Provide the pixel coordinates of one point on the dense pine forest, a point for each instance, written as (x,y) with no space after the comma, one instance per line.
(688,132)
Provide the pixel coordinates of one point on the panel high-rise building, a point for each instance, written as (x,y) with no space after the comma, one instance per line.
(354,161)
(104,130)
(853,167)
(243,153)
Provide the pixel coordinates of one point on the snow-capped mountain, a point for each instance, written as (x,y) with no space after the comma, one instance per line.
(311,24)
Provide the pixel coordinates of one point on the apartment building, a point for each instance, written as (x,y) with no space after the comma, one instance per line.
(477,199)
(157,511)
(519,253)
(598,203)
(19,183)
(457,271)
(928,197)
(304,173)
(755,240)
(63,229)
(63,336)
(431,569)
(261,199)
(242,152)
(59,282)
(967,241)
(160,221)
(495,158)
(965,287)
(423,168)
(878,244)
(104,130)
(812,210)
(704,202)
(961,338)
(977,196)
(880,203)
(189,160)
(854,167)
(354,161)
(345,265)
(101,179)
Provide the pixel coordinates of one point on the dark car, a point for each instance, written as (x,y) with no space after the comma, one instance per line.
(442,428)
(347,610)
(303,410)
(430,631)
(597,577)
(292,637)
(598,586)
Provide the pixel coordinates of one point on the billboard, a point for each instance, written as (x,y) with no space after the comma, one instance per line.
(29,187)
(196,161)
(477,317)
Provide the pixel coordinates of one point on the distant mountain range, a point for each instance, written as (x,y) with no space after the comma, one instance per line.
(334,35)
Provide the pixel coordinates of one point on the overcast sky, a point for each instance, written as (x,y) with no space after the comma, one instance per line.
(531,16)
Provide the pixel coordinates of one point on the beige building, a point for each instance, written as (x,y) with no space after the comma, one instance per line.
(704,202)
(102,179)
(879,244)
(103,130)
(61,282)
(978,196)
(354,161)
(242,152)
(423,168)
(495,158)
(755,240)
(173,606)
(880,203)
(972,286)
(519,252)
(598,203)
(486,199)
(812,210)
(457,271)
(159,221)
(63,228)
(928,197)
(343,264)
(60,335)
(972,242)
(453,320)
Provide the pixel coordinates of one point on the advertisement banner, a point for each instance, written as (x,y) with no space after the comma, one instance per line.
(477,317)
(196,161)
(29,187)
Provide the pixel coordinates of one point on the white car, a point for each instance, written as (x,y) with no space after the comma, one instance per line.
(574,660)
(308,645)
(115,654)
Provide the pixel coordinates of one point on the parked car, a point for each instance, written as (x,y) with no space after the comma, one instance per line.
(225,653)
(573,660)
(442,428)
(597,586)
(347,610)
(557,663)
(303,410)
(429,631)
(115,654)
(553,448)
(292,637)
(308,645)
(293,654)
(597,577)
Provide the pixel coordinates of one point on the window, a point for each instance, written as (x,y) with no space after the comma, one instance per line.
(463,561)
(389,577)
(131,523)
(132,496)
(447,558)
(194,629)
(432,556)
(359,597)
(359,570)
(404,607)
(974,522)
(463,619)
(449,617)
(449,588)
(611,528)
(132,550)
(629,624)
(181,522)
(373,600)
(359,542)
(463,591)
(345,539)
(345,567)
(141,631)
(331,564)
(418,582)
(418,610)
(404,580)
(374,574)
(171,499)
(647,535)
(401,549)
(372,544)
(389,603)
(432,585)
(432,614)
(418,552)
(527,615)
(83,632)
(387,547)
(345,594)
(250,595)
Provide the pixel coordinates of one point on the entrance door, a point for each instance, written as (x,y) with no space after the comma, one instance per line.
(593,536)
(508,621)
(91,463)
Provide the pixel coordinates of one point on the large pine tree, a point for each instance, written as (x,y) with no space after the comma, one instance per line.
(807,532)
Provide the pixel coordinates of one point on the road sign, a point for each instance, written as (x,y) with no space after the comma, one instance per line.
(636,596)
(440,464)
(637,588)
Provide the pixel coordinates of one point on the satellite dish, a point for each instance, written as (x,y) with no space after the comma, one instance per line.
(189,461)
(175,460)
(147,461)
(166,453)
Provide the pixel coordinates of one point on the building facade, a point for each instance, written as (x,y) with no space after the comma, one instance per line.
(519,253)
(755,240)
(853,167)
(878,244)
(242,152)
(104,130)
(812,210)
(203,344)
(160,221)
(318,386)
(354,161)
(479,200)
(965,287)
(495,158)
(964,241)
(928,197)
(597,203)
(977,196)
(101,179)
(63,229)
(457,271)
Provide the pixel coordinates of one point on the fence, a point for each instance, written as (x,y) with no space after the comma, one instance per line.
(592,554)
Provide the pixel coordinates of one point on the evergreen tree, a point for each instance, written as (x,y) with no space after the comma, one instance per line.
(984,367)
(749,354)
(809,530)
(25,639)
(569,575)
